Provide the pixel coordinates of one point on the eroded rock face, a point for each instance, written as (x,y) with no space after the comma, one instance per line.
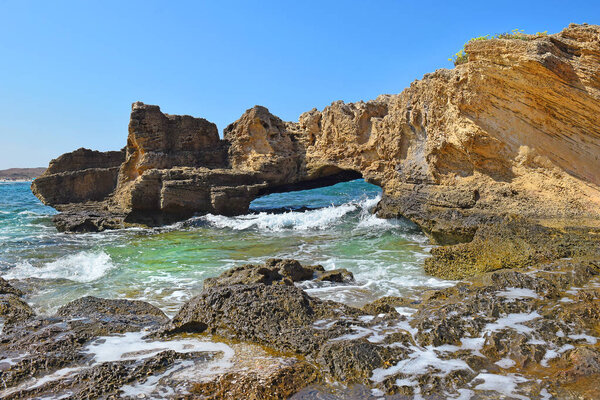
(512,131)
(77,177)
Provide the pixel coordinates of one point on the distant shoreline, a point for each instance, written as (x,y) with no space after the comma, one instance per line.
(20,174)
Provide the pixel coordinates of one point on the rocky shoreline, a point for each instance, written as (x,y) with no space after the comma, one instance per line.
(495,160)
(531,332)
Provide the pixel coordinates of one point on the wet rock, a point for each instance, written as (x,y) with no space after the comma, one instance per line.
(517,347)
(336,275)
(386,304)
(248,274)
(123,315)
(582,362)
(282,317)
(76,219)
(293,270)
(32,285)
(104,380)
(7,288)
(274,271)
(355,360)
(278,271)
(13,309)
(278,383)
(43,344)
(513,243)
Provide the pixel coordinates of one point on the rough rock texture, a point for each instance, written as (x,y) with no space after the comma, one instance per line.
(80,176)
(515,333)
(516,243)
(278,271)
(14,309)
(265,383)
(533,329)
(513,131)
(66,356)
(279,316)
(41,345)
(7,288)
(130,314)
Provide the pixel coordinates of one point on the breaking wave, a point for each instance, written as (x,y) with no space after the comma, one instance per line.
(318,219)
(84,266)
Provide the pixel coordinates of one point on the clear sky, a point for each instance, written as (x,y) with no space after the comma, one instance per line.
(69,70)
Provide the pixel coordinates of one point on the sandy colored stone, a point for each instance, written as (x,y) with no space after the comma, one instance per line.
(514,131)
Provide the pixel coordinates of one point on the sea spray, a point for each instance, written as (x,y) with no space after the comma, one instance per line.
(85,266)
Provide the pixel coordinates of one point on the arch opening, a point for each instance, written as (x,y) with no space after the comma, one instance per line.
(326,179)
(335,193)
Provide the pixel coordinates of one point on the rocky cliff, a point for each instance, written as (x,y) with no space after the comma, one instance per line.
(80,176)
(514,131)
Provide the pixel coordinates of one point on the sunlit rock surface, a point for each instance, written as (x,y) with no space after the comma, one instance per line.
(513,131)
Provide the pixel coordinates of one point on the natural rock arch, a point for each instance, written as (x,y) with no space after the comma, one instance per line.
(455,150)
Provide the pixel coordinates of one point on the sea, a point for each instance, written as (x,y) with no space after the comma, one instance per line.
(333,226)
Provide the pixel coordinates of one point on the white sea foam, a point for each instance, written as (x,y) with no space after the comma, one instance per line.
(553,353)
(505,384)
(85,266)
(150,387)
(587,338)
(420,361)
(512,321)
(292,220)
(318,219)
(506,363)
(513,293)
(131,346)
(38,382)
(463,394)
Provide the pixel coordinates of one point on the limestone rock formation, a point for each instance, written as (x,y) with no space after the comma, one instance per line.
(513,131)
(80,176)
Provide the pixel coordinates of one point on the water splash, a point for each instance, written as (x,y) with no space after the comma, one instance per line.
(85,266)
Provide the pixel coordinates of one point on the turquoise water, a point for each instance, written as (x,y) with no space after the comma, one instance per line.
(167,266)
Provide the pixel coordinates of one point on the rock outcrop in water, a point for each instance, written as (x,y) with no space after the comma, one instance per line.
(78,177)
(513,131)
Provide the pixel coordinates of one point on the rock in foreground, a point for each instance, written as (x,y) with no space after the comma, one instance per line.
(533,330)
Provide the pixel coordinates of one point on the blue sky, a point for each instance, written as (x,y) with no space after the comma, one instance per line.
(69,70)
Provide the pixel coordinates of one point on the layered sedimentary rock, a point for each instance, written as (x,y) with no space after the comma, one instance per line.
(80,176)
(513,131)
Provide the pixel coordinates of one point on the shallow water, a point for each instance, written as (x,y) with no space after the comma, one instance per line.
(166,266)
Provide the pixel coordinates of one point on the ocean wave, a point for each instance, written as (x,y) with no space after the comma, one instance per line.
(84,266)
(28,212)
(319,219)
